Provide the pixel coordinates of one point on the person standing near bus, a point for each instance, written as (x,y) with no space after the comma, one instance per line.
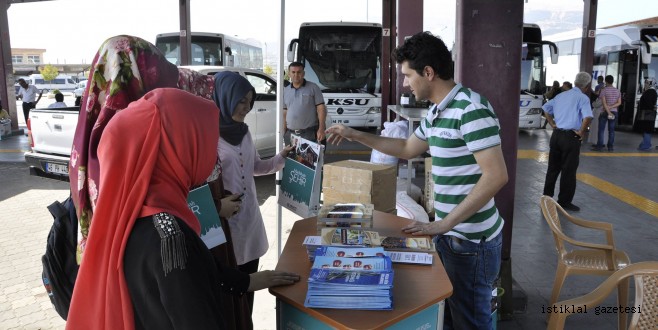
(611,98)
(646,115)
(461,132)
(569,114)
(28,93)
(304,111)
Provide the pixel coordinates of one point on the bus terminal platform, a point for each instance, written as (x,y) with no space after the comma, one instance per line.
(618,187)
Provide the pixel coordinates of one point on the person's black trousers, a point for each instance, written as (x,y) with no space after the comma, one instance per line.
(563,159)
(27,106)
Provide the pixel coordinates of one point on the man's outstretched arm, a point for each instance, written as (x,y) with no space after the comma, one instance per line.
(401,148)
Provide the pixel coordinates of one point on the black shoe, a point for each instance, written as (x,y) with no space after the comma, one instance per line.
(596,149)
(570,207)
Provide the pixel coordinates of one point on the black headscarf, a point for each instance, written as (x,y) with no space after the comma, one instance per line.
(230,88)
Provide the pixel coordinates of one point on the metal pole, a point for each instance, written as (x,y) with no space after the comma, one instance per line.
(589,35)
(7,96)
(279,118)
(185,33)
(488,41)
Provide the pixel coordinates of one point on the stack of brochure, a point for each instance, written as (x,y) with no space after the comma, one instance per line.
(312,243)
(418,258)
(350,283)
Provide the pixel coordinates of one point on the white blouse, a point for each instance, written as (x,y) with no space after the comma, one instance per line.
(239,166)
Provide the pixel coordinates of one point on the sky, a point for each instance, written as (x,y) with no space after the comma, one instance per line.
(72,30)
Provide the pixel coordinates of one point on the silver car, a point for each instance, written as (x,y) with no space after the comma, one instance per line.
(262,118)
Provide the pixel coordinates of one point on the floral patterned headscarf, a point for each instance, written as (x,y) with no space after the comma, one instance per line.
(124,69)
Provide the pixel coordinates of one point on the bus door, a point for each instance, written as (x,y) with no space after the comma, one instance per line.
(623,66)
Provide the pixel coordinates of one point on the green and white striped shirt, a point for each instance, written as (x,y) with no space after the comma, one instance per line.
(463,123)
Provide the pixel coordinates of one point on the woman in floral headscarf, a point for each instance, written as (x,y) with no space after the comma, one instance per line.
(124,69)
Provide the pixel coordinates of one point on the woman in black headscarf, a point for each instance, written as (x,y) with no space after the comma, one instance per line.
(240,161)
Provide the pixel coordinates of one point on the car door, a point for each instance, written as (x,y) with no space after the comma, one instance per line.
(264,133)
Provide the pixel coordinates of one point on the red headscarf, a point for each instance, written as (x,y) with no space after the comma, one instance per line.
(150,155)
(124,69)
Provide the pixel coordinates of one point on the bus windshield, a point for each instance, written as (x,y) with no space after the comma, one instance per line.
(532,63)
(342,58)
(205,50)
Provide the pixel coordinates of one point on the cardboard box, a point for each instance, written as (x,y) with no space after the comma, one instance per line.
(352,181)
(428,191)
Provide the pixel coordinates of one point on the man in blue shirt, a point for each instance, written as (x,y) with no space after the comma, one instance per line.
(569,114)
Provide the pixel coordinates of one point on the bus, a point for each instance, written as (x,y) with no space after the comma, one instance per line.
(533,78)
(344,60)
(215,49)
(629,53)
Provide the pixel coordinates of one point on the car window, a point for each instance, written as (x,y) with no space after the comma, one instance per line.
(265,86)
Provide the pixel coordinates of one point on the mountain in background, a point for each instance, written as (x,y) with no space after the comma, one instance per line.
(552,22)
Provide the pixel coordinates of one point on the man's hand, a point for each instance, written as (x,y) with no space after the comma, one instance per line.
(426,228)
(339,132)
(269,278)
(320,133)
(230,205)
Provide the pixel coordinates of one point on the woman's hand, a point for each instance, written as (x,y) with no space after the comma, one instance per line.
(269,278)
(230,205)
(284,152)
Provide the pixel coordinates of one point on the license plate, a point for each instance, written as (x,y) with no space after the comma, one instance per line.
(57,168)
(340,121)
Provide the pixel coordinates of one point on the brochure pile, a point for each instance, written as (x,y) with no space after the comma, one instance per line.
(363,283)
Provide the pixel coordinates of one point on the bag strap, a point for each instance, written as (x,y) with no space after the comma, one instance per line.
(57,209)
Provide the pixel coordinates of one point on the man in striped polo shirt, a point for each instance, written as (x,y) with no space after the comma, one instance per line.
(461,132)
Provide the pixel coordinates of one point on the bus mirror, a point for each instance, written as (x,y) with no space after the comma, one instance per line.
(292,49)
(552,48)
(645,50)
(229,60)
(228,50)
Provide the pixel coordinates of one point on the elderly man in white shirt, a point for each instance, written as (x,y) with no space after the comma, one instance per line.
(28,93)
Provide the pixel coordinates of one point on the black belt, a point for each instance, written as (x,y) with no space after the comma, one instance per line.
(298,131)
(565,130)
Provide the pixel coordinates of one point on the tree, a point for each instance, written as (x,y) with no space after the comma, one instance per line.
(268,69)
(49,72)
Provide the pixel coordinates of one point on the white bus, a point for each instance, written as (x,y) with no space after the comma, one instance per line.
(533,78)
(63,83)
(629,53)
(344,60)
(213,49)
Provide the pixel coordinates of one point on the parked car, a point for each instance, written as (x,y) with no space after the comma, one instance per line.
(51,131)
(262,118)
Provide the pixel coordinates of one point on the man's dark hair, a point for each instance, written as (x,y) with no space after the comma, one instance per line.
(424,49)
(59,97)
(21,80)
(609,79)
(299,64)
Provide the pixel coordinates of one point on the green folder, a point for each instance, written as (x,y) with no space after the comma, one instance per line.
(200,201)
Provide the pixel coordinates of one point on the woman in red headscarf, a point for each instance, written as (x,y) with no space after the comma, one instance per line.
(145,265)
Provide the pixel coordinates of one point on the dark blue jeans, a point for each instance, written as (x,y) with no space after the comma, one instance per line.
(603,120)
(472,269)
